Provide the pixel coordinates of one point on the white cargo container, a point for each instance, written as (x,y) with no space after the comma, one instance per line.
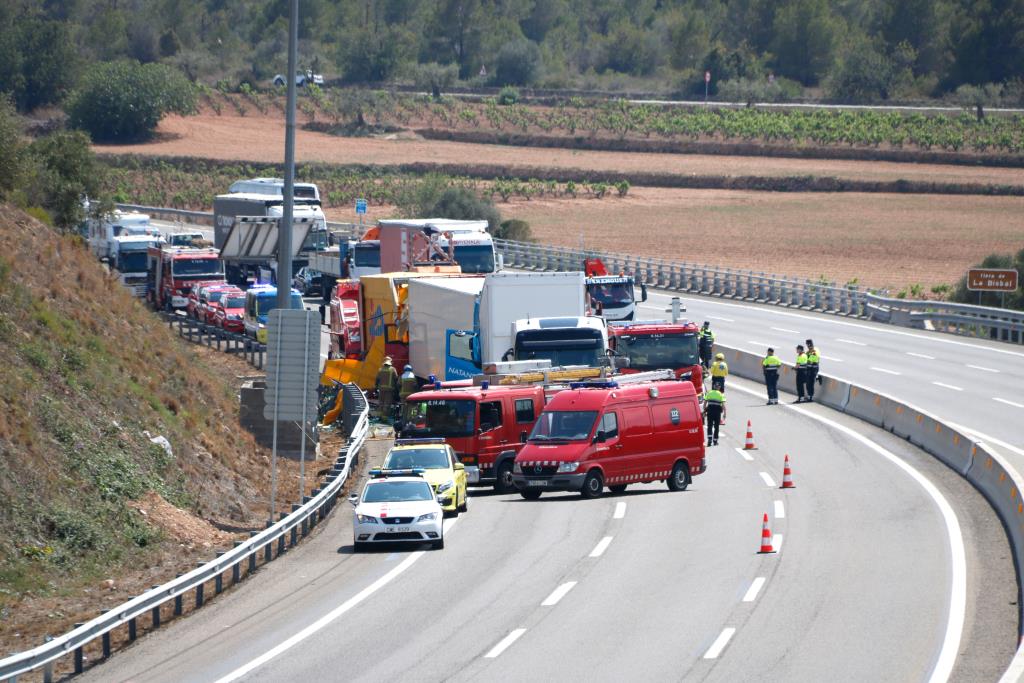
(436,305)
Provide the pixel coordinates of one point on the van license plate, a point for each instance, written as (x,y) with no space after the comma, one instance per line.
(396,530)
(540,482)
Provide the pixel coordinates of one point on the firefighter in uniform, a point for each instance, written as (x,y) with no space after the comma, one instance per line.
(801,373)
(770,365)
(387,382)
(408,384)
(813,359)
(714,412)
(719,371)
(705,343)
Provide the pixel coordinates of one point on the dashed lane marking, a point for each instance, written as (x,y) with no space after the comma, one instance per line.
(777,543)
(920,355)
(1009,403)
(718,317)
(504,643)
(887,371)
(746,456)
(780,510)
(786,329)
(620,511)
(601,546)
(558,594)
(767,479)
(982,368)
(947,386)
(755,588)
(720,642)
(850,341)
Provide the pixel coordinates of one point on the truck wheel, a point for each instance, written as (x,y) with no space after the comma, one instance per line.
(530,495)
(618,488)
(592,485)
(680,477)
(503,484)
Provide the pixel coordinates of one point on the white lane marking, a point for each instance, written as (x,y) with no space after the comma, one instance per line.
(982,368)
(601,546)
(887,371)
(785,329)
(850,341)
(754,589)
(830,359)
(620,511)
(780,510)
(958,557)
(947,386)
(777,543)
(720,642)
(1009,403)
(767,479)
(718,317)
(332,615)
(762,344)
(920,336)
(985,437)
(920,355)
(504,643)
(746,456)
(558,594)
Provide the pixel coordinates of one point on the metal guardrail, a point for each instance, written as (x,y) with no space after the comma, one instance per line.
(284,535)
(198,332)
(745,285)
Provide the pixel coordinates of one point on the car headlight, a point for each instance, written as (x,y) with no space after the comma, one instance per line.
(517,468)
(568,466)
(429,517)
(366,519)
(445,486)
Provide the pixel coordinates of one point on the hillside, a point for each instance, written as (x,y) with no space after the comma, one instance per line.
(92,510)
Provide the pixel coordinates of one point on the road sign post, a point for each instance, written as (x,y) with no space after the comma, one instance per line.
(360,210)
(707,81)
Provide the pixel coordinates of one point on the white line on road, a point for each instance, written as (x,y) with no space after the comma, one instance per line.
(558,594)
(947,386)
(767,479)
(720,642)
(746,456)
(754,589)
(958,556)
(830,359)
(761,344)
(332,615)
(986,437)
(620,511)
(718,317)
(889,372)
(850,341)
(982,368)
(785,329)
(601,546)
(780,510)
(504,643)
(777,543)
(1009,403)
(920,355)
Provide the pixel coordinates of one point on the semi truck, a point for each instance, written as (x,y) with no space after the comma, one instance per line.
(613,297)
(121,240)
(653,345)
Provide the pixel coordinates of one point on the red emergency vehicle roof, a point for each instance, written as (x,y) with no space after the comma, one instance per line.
(642,328)
(474,393)
(587,398)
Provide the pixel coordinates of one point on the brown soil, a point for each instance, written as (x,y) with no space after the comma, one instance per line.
(230,136)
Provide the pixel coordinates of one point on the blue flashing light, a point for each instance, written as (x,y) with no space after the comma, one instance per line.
(485,385)
(593,385)
(431,379)
(437,386)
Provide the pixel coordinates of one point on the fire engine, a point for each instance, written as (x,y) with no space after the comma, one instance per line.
(173,271)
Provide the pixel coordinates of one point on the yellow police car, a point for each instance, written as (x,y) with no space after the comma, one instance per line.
(441,468)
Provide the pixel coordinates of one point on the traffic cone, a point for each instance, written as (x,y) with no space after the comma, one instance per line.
(749,445)
(766,537)
(787,476)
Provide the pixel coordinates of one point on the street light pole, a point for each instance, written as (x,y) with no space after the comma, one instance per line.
(284,241)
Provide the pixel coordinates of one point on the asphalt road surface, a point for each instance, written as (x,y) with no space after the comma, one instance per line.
(871,580)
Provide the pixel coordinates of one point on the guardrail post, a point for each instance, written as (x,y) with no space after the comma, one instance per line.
(48,667)
(79,655)
(280,539)
(252,556)
(236,568)
(132,631)
(106,640)
(178,601)
(155,614)
(295,529)
(218,581)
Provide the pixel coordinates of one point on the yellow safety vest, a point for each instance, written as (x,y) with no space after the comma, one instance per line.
(719,369)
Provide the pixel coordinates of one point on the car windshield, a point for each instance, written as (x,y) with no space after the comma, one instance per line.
(215,296)
(427,458)
(397,491)
(234,302)
(196,268)
(659,351)
(440,417)
(612,294)
(268,301)
(476,258)
(564,425)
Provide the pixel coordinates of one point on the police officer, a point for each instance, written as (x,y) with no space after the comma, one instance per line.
(719,371)
(813,358)
(801,373)
(705,342)
(714,412)
(408,385)
(770,365)
(387,382)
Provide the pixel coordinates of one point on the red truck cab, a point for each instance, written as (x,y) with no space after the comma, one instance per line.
(173,272)
(485,425)
(345,336)
(658,346)
(598,434)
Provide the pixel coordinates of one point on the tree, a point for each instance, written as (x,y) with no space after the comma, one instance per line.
(38,60)
(978,97)
(455,33)
(746,90)
(66,173)
(462,203)
(988,42)
(125,100)
(514,229)
(518,63)
(434,77)
(371,56)
(861,74)
(13,160)
(806,33)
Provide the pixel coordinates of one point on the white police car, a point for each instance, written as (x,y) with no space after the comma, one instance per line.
(396,505)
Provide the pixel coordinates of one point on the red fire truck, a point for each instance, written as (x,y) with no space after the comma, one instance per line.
(172,272)
(658,345)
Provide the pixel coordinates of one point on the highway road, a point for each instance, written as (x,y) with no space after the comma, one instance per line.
(878,576)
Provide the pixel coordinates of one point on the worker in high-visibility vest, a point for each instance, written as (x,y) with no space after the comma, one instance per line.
(705,344)
(719,371)
(813,360)
(770,365)
(714,413)
(387,381)
(407,384)
(801,373)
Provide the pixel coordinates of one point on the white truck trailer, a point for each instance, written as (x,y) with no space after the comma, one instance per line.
(121,239)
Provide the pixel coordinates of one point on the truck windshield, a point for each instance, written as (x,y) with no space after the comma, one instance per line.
(427,458)
(131,262)
(440,417)
(475,258)
(620,294)
(573,346)
(659,351)
(267,302)
(197,268)
(397,491)
(564,425)
(366,255)
(316,240)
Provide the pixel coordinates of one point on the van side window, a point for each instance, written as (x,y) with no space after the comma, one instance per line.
(636,421)
(524,410)
(610,426)
(490,415)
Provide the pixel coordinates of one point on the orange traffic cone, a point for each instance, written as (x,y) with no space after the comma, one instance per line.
(749,445)
(766,537)
(787,476)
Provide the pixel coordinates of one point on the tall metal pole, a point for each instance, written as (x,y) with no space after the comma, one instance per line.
(284,241)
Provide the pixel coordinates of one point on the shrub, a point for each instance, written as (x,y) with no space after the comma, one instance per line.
(508,95)
(518,63)
(514,229)
(463,203)
(125,100)
(434,77)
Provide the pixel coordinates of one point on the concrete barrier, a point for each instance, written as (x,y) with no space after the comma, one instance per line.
(866,404)
(832,392)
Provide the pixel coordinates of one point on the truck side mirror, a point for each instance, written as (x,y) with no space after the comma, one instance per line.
(599,437)
(643,292)
(353,499)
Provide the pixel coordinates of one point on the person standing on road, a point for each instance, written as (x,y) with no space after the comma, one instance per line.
(813,358)
(801,373)
(714,412)
(705,342)
(770,365)
(387,381)
(408,386)
(719,371)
